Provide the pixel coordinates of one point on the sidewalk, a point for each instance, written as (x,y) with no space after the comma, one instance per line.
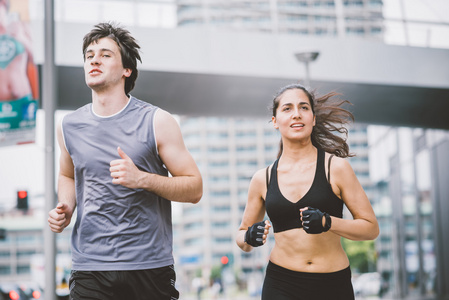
(207,296)
(237,297)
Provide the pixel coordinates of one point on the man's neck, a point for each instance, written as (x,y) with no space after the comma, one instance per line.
(107,104)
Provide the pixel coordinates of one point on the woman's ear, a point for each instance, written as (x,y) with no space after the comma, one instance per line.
(273,120)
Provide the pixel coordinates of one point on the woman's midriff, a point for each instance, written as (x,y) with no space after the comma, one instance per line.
(314,253)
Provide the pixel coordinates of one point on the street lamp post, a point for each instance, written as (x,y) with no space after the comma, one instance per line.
(306,57)
(49,96)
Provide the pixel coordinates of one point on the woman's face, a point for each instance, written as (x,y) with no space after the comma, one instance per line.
(294,116)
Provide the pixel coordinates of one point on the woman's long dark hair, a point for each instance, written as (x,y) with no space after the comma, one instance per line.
(330,117)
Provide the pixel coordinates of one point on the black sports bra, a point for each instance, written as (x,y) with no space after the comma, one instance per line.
(285,215)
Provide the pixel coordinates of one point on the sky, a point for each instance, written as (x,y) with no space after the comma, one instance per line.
(419,34)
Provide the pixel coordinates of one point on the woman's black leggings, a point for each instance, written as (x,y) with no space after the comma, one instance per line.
(284,284)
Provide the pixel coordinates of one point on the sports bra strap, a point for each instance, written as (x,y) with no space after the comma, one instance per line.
(329,169)
(268,181)
(267,173)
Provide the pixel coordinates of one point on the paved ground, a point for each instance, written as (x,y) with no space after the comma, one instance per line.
(243,297)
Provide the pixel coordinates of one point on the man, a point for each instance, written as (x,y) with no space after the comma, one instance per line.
(116,153)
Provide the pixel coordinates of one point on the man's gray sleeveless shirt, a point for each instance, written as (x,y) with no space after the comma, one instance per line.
(116,228)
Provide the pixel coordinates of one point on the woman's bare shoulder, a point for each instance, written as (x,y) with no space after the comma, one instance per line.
(337,163)
(260,176)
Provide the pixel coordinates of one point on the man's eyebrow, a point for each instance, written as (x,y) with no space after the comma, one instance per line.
(101,50)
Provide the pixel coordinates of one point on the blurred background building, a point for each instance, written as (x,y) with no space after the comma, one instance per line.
(363,18)
(403,169)
(228,151)
(409,168)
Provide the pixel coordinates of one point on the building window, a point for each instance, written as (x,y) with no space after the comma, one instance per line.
(23,269)
(194,242)
(220,225)
(5,270)
(222,240)
(221,209)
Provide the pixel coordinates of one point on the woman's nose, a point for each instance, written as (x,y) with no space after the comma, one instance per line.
(296,113)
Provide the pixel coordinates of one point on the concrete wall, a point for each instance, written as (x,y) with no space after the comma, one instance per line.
(184,50)
(207,72)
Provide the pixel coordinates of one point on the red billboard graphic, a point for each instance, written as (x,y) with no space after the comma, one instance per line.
(19,83)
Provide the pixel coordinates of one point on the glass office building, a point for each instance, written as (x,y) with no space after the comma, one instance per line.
(407,168)
(228,151)
(304,17)
(22,247)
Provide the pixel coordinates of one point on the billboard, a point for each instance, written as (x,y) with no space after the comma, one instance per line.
(19,82)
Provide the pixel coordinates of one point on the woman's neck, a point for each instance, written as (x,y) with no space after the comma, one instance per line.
(298,151)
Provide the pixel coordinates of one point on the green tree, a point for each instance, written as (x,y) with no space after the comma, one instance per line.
(216,272)
(361,254)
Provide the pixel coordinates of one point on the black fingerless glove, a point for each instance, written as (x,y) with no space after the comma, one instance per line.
(312,221)
(254,234)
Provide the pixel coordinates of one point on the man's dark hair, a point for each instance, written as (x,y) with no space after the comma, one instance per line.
(129,49)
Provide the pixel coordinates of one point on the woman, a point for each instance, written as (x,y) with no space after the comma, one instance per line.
(307,261)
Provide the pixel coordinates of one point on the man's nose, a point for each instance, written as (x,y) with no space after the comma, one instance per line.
(95,60)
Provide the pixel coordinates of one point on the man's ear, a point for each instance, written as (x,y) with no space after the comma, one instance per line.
(127,72)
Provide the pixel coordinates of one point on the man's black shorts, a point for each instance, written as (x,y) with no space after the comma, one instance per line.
(123,285)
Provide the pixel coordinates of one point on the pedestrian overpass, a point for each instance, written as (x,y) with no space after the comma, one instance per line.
(209,72)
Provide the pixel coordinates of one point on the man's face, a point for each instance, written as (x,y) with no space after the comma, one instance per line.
(103,67)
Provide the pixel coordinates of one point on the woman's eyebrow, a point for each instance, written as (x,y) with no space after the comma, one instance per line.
(300,103)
